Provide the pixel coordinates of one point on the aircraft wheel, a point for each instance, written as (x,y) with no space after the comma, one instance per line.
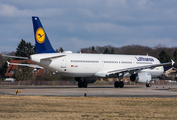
(121,84)
(116,84)
(148,84)
(80,84)
(84,84)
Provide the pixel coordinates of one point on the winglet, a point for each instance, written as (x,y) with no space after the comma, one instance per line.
(172,62)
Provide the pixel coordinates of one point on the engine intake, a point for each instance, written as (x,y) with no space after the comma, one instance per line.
(142,77)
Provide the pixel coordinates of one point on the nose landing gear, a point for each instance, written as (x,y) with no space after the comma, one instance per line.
(82,84)
(148,84)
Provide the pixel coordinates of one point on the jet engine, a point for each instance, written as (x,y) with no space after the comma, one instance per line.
(86,79)
(142,77)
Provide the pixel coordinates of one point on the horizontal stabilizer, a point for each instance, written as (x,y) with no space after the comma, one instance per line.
(28,65)
(9,56)
(49,58)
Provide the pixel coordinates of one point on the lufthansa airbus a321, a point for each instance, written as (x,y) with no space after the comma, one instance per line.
(87,68)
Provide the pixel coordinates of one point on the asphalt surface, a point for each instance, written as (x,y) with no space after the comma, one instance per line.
(92,90)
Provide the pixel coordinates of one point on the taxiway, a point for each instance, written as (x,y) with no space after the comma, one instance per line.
(92,90)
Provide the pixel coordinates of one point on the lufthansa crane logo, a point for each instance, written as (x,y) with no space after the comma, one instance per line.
(40,35)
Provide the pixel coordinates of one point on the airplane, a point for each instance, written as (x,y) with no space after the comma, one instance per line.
(87,68)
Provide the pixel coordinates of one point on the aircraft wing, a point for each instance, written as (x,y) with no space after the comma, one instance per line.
(131,70)
(28,65)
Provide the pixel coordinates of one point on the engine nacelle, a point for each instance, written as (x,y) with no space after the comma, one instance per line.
(142,77)
(86,79)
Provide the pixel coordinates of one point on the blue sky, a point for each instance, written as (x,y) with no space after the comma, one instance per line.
(75,24)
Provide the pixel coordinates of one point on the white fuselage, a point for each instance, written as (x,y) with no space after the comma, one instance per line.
(87,65)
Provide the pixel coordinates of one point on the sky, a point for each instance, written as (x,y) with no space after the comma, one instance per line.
(76,24)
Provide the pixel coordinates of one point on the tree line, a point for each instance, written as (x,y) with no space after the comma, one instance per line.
(163,53)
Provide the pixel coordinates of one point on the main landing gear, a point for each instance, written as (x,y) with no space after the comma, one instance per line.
(119,84)
(82,84)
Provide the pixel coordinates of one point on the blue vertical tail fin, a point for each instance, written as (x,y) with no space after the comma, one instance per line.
(42,42)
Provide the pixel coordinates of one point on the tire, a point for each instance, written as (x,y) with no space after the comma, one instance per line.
(116,84)
(121,84)
(80,85)
(84,84)
(148,84)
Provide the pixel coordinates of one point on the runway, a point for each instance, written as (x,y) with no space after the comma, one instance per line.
(93,91)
